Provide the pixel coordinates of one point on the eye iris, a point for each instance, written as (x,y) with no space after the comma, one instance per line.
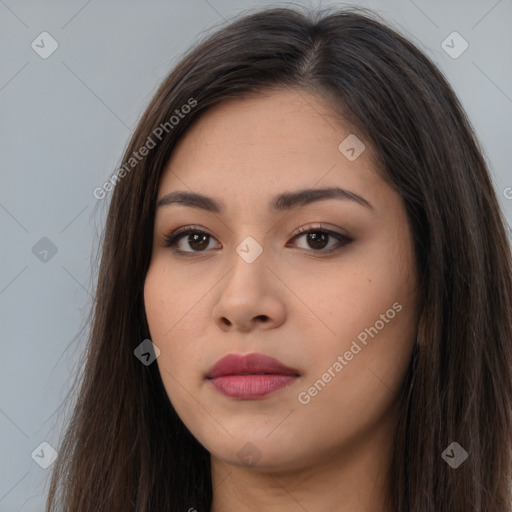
(192,239)
(314,237)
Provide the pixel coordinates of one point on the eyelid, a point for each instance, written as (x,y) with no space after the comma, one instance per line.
(320,227)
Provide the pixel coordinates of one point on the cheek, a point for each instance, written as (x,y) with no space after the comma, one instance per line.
(170,316)
(167,302)
(367,315)
(341,305)
(345,398)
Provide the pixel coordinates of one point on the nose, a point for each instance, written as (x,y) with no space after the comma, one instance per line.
(250,296)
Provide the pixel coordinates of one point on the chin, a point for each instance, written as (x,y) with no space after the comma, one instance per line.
(258,453)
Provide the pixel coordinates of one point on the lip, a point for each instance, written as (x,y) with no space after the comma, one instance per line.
(250,376)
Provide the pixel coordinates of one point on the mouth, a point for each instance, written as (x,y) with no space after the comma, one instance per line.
(250,376)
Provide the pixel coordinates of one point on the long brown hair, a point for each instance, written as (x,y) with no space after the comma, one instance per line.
(125,449)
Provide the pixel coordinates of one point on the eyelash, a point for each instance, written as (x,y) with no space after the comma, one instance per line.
(171,240)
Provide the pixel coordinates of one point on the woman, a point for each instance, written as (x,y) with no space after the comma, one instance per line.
(276,370)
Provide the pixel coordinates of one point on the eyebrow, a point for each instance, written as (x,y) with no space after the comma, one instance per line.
(281,202)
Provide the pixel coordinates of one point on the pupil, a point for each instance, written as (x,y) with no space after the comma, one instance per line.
(195,237)
(315,237)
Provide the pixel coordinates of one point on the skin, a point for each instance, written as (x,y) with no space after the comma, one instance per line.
(333,453)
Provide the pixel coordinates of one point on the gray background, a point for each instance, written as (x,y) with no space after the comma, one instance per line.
(64,124)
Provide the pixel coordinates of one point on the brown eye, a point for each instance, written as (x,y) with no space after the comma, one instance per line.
(197,239)
(318,239)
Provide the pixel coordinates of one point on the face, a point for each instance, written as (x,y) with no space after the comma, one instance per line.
(326,285)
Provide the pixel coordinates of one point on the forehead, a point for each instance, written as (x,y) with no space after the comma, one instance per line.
(253,147)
